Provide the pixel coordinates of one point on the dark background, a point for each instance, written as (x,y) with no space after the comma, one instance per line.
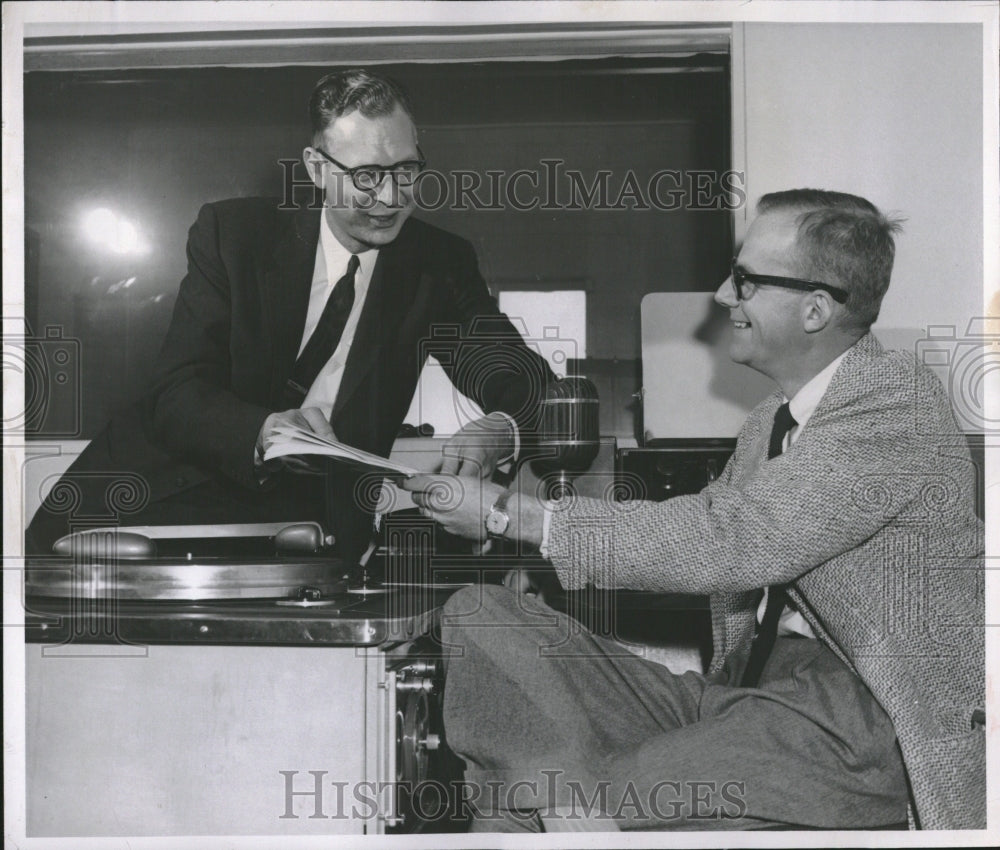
(154,145)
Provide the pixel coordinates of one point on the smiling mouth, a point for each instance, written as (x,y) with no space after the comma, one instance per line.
(741,325)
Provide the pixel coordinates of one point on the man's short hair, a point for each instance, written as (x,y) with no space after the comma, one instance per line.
(843,240)
(354,89)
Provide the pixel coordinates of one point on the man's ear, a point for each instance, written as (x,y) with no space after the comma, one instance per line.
(817,311)
(313,167)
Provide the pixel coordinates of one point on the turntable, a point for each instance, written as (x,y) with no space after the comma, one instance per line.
(229,680)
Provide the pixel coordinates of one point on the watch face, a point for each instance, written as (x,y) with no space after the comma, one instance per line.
(497,522)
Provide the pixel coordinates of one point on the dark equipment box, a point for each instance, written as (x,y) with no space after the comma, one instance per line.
(666,468)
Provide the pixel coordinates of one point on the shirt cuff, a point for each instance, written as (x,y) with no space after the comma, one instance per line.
(517,436)
(546,525)
(262,473)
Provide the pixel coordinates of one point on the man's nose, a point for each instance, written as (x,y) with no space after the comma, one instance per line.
(388,192)
(726,294)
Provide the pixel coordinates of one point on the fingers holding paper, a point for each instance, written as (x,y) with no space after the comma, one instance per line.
(479,447)
(303,441)
(306,419)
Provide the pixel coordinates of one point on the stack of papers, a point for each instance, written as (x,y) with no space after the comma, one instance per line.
(292,440)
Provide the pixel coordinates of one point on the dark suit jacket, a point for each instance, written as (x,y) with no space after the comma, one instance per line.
(230,348)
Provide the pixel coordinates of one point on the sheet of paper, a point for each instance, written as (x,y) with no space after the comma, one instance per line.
(290,440)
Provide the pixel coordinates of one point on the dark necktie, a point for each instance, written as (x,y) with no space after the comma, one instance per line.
(767,631)
(324,339)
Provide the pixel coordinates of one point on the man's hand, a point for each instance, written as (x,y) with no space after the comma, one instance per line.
(477,449)
(307,418)
(522,581)
(460,504)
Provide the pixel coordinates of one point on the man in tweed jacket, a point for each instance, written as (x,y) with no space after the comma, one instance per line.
(863,514)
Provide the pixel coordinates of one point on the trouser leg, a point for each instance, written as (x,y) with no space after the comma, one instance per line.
(810,746)
(534,704)
(575,721)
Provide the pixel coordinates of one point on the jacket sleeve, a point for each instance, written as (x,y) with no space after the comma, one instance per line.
(196,415)
(853,470)
(489,360)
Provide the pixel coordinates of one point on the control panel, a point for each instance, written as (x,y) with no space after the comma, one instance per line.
(667,468)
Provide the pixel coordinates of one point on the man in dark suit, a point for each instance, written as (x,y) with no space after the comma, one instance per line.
(316,318)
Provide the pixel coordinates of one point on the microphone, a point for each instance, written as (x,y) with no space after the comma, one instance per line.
(569,433)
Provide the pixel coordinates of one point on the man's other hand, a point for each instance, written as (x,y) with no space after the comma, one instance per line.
(460,504)
(307,418)
(479,447)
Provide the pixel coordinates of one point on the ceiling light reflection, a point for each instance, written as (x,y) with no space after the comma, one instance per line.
(112,232)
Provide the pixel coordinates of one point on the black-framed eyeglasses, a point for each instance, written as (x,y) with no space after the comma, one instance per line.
(746,284)
(367,178)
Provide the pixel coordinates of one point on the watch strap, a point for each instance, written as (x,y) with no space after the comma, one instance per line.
(501,502)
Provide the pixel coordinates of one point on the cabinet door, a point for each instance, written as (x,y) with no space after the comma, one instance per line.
(200,740)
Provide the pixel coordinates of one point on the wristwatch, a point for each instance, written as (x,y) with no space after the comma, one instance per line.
(498,520)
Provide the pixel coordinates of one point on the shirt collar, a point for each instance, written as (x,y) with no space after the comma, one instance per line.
(337,256)
(807,399)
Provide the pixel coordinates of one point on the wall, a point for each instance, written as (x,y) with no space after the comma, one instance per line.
(892,112)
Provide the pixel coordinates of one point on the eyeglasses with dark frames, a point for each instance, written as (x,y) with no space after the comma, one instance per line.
(367,178)
(746,284)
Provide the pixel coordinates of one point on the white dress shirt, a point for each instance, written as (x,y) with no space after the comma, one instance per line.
(331,264)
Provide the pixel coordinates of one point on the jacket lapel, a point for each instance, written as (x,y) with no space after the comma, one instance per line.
(395,281)
(287,282)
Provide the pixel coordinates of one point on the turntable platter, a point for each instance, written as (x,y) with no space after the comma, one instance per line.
(192,580)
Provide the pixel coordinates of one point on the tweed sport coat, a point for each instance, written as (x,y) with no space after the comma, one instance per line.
(870,515)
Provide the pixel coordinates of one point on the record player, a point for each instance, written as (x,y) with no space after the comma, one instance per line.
(247,651)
